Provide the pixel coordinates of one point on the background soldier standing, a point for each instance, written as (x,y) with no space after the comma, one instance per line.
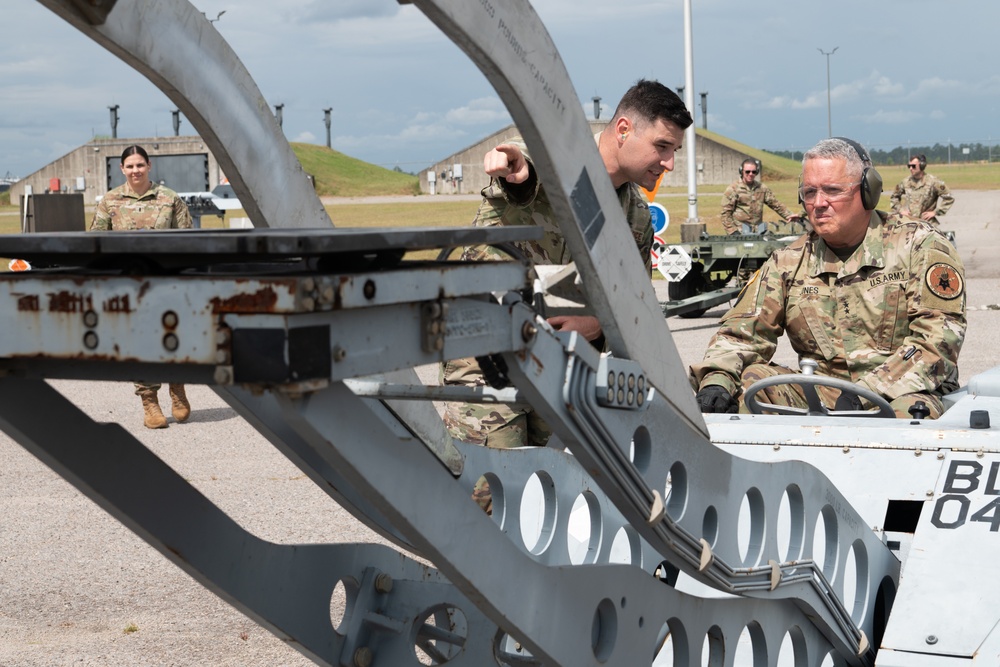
(140,204)
(921,195)
(744,200)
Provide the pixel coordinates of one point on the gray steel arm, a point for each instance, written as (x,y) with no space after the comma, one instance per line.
(172,44)
(508,42)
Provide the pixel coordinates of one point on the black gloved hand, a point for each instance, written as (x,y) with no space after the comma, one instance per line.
(847,402)
(716,399)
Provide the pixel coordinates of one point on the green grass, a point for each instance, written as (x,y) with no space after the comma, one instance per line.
(958,177)
(775,168)
(340,175)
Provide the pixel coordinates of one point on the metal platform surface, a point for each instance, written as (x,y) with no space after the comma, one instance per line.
(185,247)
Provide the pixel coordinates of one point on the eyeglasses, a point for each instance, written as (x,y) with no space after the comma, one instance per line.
(831,192)
(749,171)
(914,166)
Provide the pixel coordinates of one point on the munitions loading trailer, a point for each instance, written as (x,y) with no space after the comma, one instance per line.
(707,535)
(712,270)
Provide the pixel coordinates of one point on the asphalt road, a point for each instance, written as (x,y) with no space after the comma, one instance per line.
(78,588)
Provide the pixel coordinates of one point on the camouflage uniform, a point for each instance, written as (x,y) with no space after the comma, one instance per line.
(743,207)
(524,204)
(928,194)
(891,318)
(158,208)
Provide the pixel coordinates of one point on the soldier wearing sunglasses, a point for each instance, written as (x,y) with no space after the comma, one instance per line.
(921,195)
(744,201)
(873,298)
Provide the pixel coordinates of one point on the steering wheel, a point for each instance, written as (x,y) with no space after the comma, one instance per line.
(808,383)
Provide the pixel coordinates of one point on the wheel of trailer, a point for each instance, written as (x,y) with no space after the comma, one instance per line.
(690,285)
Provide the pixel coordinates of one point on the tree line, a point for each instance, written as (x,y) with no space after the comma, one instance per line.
(938,153)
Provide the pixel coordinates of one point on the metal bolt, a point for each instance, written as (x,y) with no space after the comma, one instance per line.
(631,382)
(221,356)
(90,340)
(630,398)
(930,493)
(326,294)
(846,449)
(363,657)
(940,456)
(90,319)
(308,285)
(931,639)
(339,353)
(170,319)
(369,289)
(917,453)
(170,342)
(222,375)
(528,332)
(222,336)
(383,583)
(308,303)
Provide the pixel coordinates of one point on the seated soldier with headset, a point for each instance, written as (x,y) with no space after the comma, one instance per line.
(744,200)
(872,298)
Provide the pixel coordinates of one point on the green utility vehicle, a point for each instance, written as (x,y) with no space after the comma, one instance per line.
(713,269)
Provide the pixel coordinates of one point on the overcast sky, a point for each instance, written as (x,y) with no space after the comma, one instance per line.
(917,71)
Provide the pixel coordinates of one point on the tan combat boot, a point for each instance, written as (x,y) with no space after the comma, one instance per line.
(179,405)
(152,418)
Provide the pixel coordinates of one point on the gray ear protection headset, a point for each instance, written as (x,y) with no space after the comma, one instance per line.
(871,180)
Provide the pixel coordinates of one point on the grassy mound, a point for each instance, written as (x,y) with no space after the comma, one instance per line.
(339,175)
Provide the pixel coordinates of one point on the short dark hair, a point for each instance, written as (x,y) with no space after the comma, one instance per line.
(135,150)
(652,101)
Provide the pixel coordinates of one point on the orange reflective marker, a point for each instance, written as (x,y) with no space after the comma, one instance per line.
(651,194)
(18,265)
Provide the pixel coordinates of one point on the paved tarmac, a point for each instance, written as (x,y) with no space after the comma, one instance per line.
(77,588)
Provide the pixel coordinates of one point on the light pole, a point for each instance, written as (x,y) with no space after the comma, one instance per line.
(829,122)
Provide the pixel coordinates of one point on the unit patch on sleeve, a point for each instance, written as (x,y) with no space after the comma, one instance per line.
(944,281)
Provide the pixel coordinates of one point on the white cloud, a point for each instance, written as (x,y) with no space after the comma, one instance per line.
(403,92)
(481,111)
(813,101)
(884,86)
(888,117)
(325,11)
